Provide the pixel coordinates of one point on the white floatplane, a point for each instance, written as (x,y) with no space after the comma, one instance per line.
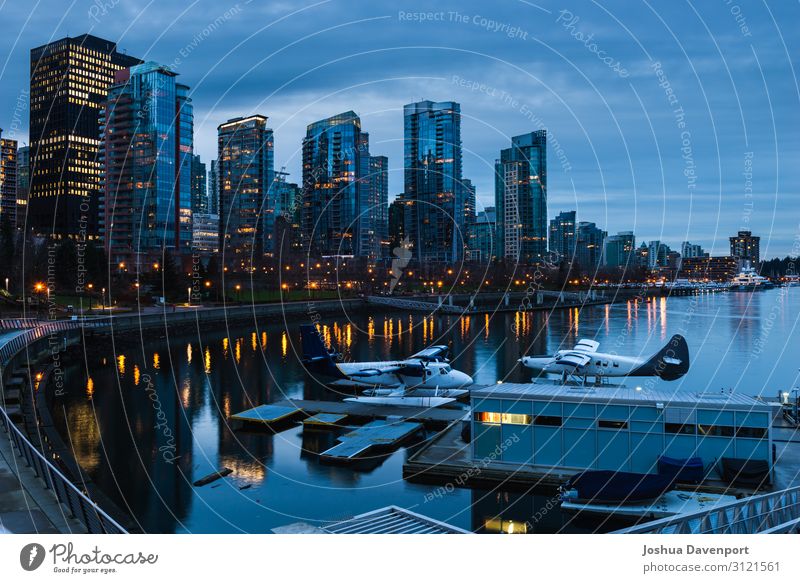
(425,379)
(670,363)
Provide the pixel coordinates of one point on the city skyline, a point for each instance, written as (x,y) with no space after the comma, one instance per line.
(571,97)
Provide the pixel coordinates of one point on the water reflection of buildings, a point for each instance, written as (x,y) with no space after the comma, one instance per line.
(745,319)
(504,512)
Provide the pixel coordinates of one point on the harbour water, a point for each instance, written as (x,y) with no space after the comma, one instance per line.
(146,422)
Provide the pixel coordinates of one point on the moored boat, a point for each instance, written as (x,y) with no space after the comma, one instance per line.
(606,486)
(668,504)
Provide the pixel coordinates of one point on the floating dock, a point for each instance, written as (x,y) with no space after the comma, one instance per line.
(284,411)
(268,414)
(325,420)
(375,434)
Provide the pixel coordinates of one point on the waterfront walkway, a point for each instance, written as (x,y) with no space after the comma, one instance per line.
(26,507)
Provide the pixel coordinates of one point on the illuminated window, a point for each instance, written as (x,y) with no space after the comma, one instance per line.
(486,417)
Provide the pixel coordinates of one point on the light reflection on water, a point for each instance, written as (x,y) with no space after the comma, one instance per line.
(743,341)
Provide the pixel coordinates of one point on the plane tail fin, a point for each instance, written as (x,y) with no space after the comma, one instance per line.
(670,363)
(316,355)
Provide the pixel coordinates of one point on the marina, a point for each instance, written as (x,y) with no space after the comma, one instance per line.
(233,384)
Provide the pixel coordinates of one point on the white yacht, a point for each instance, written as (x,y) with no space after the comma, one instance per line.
(749,280)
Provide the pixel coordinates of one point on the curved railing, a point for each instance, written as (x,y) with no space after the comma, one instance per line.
(79,504)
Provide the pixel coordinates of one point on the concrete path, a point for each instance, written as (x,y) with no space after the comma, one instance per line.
(26,506)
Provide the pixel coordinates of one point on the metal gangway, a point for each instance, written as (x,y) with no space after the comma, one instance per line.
(773,513)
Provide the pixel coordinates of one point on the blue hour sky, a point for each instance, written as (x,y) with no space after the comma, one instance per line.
(677,120)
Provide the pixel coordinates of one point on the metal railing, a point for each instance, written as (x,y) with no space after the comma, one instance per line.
(79,505)
(776,512)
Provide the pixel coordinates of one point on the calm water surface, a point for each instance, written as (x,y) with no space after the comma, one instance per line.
(120,411)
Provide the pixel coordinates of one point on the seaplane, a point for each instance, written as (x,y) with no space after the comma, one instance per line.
(424,379)
(583,361)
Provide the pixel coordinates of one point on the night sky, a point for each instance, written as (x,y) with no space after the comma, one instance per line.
(677,120)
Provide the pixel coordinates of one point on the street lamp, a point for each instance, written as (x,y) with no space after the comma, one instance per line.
(6,284)
(103,298)
(238,294)
(189,296)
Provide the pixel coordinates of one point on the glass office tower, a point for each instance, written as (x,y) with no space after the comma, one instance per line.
(245,171)
(146,152)
(433,184)
(521,198)
(69,80)
(335,212)
(8,181)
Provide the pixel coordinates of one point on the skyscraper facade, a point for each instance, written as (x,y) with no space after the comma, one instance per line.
(199,190)
(23,184)
(69,81)
(8,181)
(690,250)
(618,250)
(246,171)
(746,247)
(213,188)
(589,246)
(399,219)
(378,207)
(146,154)
(521,198)
(433,183)
(482,241)
(335,212)
(562,236)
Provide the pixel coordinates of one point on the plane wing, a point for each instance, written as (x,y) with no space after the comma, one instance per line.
(432,353)
(574,359)
(375,371)
(586,345)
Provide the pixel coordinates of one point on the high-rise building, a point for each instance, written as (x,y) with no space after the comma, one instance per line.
(399,217)
(657,254)
(433,183)
(379,207)
(23,184)
(562,236)
(288,197)
(618,250)
(746,247)
(690,250)
(246,169)
(146,154)
(205,233)
(469,208)
(199,190)
(8,181)
(335,214)
(69,79)
(521,198)
(213,188)
(589,246)
(482,236)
